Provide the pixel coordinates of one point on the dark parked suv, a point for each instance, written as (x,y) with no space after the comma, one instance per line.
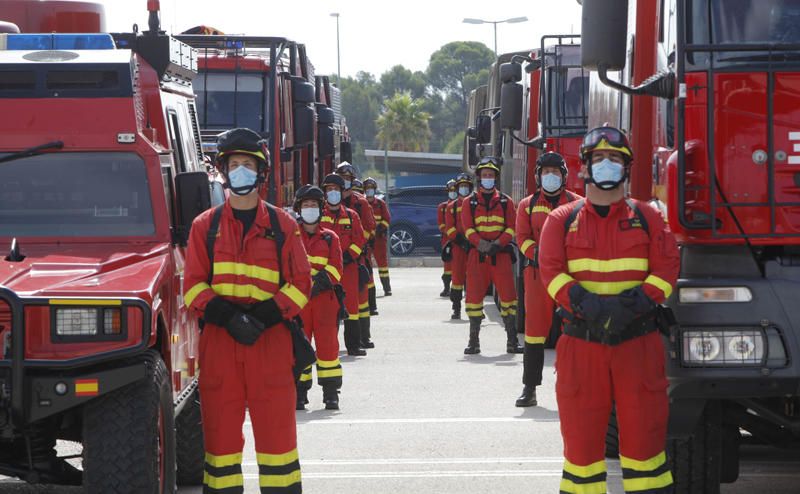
(414,222)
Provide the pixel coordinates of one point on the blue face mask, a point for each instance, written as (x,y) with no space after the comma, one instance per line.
(607,174)
(463,191)
(370,192)
(348,184)
(310,215)
(334,197)
(487,183)
(242,180)
(452,195)
(551,182)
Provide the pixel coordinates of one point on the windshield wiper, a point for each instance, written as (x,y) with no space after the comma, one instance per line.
(32,151)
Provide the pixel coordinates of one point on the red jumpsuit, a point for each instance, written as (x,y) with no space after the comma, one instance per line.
(607,255)
(440,215)
(358,203)
(259,377)
(320,315)
(539,307)
(492,221)
(347,226)
(454,232)
(382,218)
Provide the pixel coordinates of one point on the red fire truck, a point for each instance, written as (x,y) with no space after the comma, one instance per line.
(54,16)
(716,133)
(268,84)
(101,175)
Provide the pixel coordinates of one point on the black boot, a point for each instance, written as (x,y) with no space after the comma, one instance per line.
(302,397)
(365,341)
(512,343)
(455,297)
(352,338)
(532,364)
(387,287)
(528,397)
(373,302)
(446,281)
(474,345)
(330,396)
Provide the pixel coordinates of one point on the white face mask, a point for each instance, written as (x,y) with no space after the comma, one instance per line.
(370,192)
(309,215)
(487,183)
(334,197)
(242,180)
(452,194)
(607,174)
(551,182)
(463,191)
(348,184)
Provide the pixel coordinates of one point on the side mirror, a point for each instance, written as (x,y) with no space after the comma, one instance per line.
(302,90)
(193,197)
(304,119)
(483,129)
(346,151)
(472,152)
(325,115)
(325,134)
(510,72)
(604,34)
(511,96)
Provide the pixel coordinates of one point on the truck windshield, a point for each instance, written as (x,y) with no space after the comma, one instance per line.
(228,99)
(75,195)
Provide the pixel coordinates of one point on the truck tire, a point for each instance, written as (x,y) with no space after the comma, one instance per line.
(612,435)
(190,452)
(731,439)
(696,461)
(129,436)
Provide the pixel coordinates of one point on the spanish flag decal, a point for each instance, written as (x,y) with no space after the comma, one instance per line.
(87,387)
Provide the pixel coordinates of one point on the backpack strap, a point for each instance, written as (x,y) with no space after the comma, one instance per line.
(277,234)
(639,214)
(573,214)
(211,239)
(327,238)
(531,204)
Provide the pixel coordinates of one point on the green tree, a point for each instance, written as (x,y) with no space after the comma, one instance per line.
(403,125)
(456,144)
(459,67)
(399,79)
(361,104)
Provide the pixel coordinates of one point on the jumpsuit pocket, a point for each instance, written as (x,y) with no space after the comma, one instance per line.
(655,377)
(568,380)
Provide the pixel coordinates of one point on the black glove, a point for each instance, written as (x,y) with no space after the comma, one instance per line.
(242,328)
(381,229)
(615,315)
(461,241)
(267,312)
(585,304)
(322,282)
(347,257)
(494,248)
(637,301)
(371,243)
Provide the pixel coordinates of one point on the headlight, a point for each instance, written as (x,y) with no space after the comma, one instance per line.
(700,295)
(723,348)
(88,322)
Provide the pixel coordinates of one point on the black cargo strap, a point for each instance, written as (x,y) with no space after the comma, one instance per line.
(573,214)
(578,328)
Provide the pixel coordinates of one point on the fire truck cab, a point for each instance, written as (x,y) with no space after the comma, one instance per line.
(101,175)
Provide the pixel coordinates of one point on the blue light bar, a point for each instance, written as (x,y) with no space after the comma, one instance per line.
(93,41)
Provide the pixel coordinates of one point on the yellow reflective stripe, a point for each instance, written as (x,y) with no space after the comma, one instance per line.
(573,488)
(365,305)
(249,270)
(328,363)
(305,377)
(510,231)
(660,284)
(487,219)
(647,483)
(226,482)
(224,460)
(318,259)
(587,471)
(334,272)
(474,306)
(366,234)
(527,245)
(83,301)
(442,226)
(643,465)
(535,340)
(456,287)
(280,460)
(608,266)
(609,287)
(469,232)
(241,291)
(344,221)
(355,248)
(295,295)
(558,283)
(327,219)
(352,317)
(279,480)
(539,209)
(384,223)
(193,292)
(451,231)
(513,303)
(322,374)
(498,228)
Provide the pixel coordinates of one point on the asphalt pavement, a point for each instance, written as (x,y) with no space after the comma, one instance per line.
(418,416)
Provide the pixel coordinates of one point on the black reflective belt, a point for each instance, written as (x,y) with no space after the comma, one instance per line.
(592,332)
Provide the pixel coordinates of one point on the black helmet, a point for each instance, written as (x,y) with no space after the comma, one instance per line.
(554,160)
(357,186)
(370,183)
(463,178)
(333,179)
(242,141)
(346,168)
(307,192)
(450,185)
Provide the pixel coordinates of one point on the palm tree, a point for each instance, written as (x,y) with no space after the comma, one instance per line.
(403,125)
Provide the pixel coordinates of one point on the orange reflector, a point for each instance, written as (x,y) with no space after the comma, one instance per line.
(87,387)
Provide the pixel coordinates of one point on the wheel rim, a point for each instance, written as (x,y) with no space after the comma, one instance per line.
(161,466)
(402,242)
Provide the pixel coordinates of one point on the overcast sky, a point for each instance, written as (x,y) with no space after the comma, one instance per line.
(375,35)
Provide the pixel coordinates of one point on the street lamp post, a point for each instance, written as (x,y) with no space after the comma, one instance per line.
(338,57)
(512,20)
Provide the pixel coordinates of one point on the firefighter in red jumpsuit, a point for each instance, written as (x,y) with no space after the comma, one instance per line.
(454,230)
(441,210)
(244,291)
(551,180)
(488,217)
(382,218)
(366,286)
(347,225)
(321,314)
(607,261)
